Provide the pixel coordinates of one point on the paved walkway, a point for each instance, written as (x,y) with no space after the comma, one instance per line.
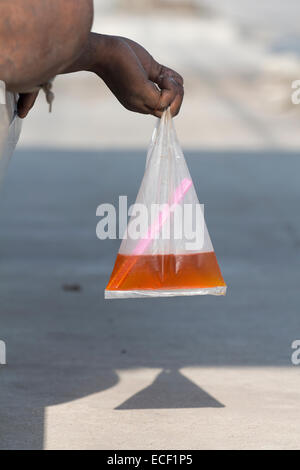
(201,372)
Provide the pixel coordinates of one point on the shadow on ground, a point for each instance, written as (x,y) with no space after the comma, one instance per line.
(170,389)
(66,344)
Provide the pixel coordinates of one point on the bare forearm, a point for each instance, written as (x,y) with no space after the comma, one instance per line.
(96,55)
(39,38)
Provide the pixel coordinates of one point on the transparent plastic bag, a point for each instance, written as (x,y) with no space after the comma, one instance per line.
(157,257)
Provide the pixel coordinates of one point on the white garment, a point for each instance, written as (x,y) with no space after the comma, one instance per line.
(10,127)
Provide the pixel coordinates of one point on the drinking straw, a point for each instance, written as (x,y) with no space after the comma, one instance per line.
(163,217)
(155,228)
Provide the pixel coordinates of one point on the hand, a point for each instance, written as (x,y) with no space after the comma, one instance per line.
(169,81)
(139,82)
(25,103)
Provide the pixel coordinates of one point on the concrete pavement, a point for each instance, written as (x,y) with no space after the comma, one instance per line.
(170,373)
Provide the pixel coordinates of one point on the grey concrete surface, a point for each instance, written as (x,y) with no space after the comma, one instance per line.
(200,372)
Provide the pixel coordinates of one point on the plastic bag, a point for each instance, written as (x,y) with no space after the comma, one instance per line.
(158,257)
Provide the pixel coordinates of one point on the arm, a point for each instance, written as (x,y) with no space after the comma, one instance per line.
(139,82)
(42,38)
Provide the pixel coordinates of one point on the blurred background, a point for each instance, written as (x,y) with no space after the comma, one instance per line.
(238,60)
(178,373)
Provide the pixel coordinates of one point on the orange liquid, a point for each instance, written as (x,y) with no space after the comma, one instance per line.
(166,272)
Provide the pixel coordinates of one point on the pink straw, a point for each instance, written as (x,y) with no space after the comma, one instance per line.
(163,216)
(179,193)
